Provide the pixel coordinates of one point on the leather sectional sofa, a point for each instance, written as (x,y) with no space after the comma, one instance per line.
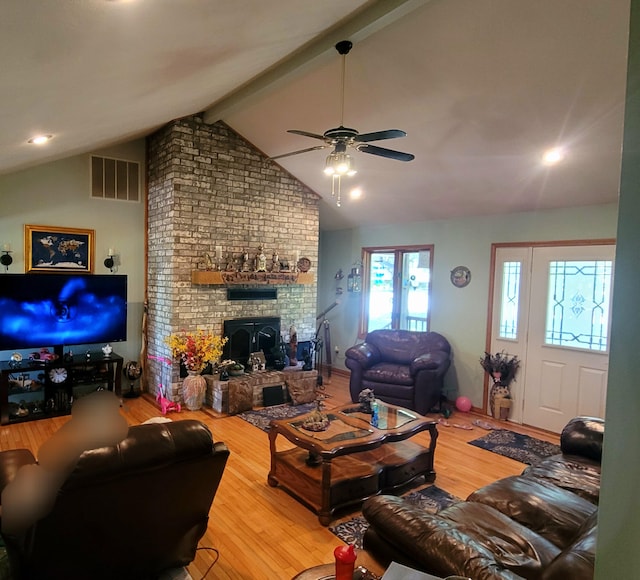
(402,367)
(540,524)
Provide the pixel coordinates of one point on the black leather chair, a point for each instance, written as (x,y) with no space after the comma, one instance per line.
(402,367)
(130,511)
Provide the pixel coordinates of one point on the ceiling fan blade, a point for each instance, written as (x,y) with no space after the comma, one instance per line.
(382,152)
(307,134)
(379,135)
(300,151)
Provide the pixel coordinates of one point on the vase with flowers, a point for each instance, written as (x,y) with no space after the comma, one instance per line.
(195,351)
(501,368)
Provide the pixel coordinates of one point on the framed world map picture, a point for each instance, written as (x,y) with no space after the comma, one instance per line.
(55,249)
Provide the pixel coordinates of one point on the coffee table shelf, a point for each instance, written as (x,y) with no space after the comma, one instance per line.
(352,460)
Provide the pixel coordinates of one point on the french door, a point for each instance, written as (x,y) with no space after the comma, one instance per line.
(396,288)
(551,307)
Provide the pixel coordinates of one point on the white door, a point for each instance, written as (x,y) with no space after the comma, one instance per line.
(562,319)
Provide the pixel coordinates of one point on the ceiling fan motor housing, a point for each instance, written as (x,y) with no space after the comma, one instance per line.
(344,46)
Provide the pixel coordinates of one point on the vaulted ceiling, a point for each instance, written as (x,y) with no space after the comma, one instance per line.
(481,87)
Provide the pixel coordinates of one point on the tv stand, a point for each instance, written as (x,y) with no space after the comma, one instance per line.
(34,390)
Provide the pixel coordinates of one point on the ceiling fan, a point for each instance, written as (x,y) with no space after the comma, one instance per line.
(339,162)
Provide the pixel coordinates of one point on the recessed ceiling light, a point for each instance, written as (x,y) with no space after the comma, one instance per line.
(40,139)
(355,193)
(553,156)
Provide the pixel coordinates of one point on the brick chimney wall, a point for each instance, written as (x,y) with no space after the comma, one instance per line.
(208,189)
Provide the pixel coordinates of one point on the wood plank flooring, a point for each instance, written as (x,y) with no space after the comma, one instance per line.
(261,532)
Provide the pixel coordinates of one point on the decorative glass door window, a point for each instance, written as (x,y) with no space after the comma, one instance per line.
(578,305)
(510,302)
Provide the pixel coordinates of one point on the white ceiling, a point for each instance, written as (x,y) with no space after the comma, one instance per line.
(482,88)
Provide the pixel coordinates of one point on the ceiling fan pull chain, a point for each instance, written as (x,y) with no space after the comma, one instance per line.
(344,75)
(336,192)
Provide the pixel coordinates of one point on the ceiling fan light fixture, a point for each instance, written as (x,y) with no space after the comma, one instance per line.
(339,164)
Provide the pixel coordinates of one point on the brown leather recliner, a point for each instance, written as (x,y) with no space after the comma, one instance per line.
(130,511)
(402,367)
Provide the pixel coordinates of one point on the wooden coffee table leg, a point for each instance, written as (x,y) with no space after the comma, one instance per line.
(324,515)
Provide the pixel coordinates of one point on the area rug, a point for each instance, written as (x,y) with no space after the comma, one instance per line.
(261,418)
(520,447)
(431,499)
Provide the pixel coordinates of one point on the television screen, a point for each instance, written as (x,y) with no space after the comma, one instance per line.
(44,310)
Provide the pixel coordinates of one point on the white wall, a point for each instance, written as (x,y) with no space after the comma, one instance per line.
(460,314)
(57,194)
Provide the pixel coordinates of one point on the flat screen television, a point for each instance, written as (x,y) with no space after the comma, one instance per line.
(60,310)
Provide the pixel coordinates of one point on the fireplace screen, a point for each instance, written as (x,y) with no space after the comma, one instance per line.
(248,335)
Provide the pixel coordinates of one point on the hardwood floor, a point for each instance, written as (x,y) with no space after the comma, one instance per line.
(261,532)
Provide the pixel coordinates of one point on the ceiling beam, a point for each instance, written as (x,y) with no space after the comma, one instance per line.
(364,23)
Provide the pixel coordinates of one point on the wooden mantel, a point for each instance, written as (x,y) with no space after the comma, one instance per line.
(202,277)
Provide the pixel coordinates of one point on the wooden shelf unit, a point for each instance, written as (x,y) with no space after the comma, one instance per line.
(44,398)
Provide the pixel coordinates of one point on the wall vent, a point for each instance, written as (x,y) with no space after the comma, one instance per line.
(252,293)
(115,179)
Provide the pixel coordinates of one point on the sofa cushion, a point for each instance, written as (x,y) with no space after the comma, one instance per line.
(577,561)
(386,372)
(552,512)
(467,538)
(403,346)
(583,436)
(576,474)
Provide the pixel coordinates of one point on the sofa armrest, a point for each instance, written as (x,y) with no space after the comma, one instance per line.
(10,462)
(430,361)
(364,354)
(583,436)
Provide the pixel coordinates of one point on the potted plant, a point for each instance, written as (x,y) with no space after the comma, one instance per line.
(502,369)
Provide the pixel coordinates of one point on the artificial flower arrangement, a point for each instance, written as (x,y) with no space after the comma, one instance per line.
(501,367)
(196,350)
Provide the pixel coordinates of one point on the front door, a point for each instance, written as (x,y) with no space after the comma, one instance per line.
(552,308)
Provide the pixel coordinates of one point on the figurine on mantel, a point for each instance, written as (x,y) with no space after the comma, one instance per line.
(261,260)
(246,266)
(293,346)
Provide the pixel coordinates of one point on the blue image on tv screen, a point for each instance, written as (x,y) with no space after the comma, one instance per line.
(40,310)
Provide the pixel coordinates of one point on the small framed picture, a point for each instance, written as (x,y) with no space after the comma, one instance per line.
(54,249)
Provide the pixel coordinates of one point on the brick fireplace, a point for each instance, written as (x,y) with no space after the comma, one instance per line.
(210,191)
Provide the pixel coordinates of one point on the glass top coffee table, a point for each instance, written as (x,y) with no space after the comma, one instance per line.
(351,459)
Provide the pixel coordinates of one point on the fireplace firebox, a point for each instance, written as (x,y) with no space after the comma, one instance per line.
(249,335)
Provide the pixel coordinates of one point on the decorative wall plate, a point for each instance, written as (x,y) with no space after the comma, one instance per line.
(460,276)
(304,264)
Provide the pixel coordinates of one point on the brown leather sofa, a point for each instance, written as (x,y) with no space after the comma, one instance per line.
(130,511)
(402,367)
(540,524)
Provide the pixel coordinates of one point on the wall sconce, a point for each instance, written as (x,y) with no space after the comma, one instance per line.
(6,260)
(338,277)
(354,280)
(109,262)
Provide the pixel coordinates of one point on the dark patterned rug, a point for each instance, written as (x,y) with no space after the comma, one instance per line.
(432,499)
(520,447)
(261,418)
